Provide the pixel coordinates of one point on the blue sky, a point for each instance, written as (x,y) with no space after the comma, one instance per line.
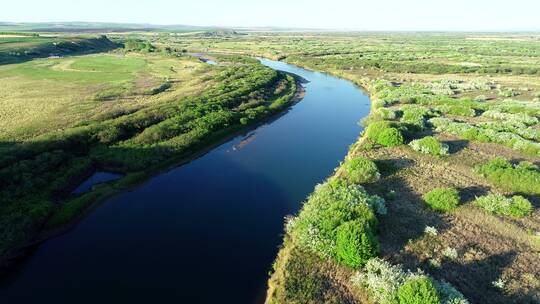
(462,15)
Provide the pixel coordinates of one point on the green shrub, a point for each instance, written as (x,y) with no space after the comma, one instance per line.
(429,145)
(330,206)
(390,114)
(508,139)
(418,291)
(415,116)
(375,129)
(516,206)
(522,178)
(508,92)
(442,199)
(383,280)
(458,110)
(391,137)
(355,243)
(361,170)
(384,134)
(480,98)
(514,118)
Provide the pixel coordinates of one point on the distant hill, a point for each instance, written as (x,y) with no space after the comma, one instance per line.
(91,27)
(19,49)
(106,27)
(219,34)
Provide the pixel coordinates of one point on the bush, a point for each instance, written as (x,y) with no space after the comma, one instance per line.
(480,98)
(385,113)
(418,291)
(522,178)
(415,117)
(458,110)
(391,137)
(383,280)
(516,206)
(510,117)
(333,204)
(355,243)
(442,199)
(384,134)
(361,170)
(470,132)
(429,145)
(375,129)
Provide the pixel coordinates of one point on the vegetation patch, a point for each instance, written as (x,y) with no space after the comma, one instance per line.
(516,206)
(390,284)
(338,222)
(429,145)
(384,134)
(360,170)
(522,178)
(134,140)
(442,199)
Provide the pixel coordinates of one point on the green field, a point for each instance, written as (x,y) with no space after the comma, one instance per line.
(125,111)
(78,87)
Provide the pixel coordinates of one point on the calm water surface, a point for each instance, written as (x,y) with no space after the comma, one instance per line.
(208,231)
(96,179)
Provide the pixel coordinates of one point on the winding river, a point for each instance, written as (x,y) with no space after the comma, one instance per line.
(207,231)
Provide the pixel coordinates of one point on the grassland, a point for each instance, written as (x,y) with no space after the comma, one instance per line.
(17,47)
(437,201)
(82,87)
(128,111)
(462,101)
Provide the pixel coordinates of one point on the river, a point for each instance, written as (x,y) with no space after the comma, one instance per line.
(207,231)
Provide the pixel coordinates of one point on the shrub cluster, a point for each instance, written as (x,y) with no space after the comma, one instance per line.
(516,206)
(512,127)
(442,199)
(414,117)
(458,110)
(360,170)
(338,222)
(389,114)
(389,284)
(384,134)
(523,177)
(429,145)
(418,291)
(471,132)
(511,117)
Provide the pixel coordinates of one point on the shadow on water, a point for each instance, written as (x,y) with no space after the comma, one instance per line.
(192,243)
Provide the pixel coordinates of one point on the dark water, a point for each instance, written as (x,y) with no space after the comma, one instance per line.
(205,232)
(96,179)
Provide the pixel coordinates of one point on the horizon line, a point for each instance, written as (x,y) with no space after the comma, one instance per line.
(276,27)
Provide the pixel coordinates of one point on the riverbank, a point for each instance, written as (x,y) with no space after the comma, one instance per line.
(406,175)
(231,200)
(67,213)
